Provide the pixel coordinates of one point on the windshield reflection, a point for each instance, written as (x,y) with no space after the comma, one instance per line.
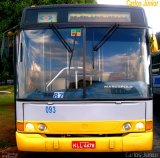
(118,69)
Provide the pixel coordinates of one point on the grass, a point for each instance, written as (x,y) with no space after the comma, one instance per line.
(7,117)
(6,99)
(7,88)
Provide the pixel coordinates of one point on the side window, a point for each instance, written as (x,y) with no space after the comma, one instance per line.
(156,64)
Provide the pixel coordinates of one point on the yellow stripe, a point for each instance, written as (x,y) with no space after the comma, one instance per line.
(85,127)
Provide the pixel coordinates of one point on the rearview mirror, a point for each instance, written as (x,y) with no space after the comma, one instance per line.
(7,35)
(158,39)
(5,47)
(153,44)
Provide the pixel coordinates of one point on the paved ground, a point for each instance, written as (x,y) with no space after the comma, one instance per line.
(156,146)
(4,92)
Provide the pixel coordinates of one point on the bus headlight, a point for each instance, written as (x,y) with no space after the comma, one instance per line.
(139,125)
(127,126)
(29,127)
(42,127)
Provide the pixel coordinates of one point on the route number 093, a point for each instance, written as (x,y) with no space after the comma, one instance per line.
(50,109)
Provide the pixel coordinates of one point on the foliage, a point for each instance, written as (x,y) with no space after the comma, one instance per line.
(6,99)
(7,88)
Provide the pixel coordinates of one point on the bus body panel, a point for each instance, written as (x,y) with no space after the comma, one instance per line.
(128,142)
(82,111)
(156,84)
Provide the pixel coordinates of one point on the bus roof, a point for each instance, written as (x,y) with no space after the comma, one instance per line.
(83,5)
(95,14)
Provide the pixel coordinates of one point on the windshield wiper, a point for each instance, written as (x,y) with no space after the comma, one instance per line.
(63,41)
(74,42)
(70,60)
(106,36)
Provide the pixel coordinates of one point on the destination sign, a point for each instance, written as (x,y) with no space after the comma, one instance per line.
(44,17)
(99,17)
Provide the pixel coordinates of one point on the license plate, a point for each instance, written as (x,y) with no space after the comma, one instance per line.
(83,144)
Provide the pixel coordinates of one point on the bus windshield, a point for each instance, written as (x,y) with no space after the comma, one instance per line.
(118,69)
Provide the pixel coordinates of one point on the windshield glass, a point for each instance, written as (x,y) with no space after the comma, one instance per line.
(119,69)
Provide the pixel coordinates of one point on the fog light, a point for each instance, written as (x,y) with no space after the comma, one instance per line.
(42,127)
(127,126)
(139,126)
(29,127)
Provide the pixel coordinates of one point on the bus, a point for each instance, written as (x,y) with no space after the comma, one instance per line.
(83,79)
(156,74)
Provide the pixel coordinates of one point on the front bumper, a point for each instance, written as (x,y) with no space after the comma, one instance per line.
(127,142)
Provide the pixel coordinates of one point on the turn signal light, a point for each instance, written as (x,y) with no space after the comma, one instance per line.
(20,126)
(149,125)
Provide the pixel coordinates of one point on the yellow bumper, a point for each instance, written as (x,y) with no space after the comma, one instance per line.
(127,142)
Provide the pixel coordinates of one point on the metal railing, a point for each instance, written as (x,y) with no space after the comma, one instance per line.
(61,71)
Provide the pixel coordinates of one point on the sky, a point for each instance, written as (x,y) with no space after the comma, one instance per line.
(151,7)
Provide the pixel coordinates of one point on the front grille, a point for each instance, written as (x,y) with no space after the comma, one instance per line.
(83,135)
